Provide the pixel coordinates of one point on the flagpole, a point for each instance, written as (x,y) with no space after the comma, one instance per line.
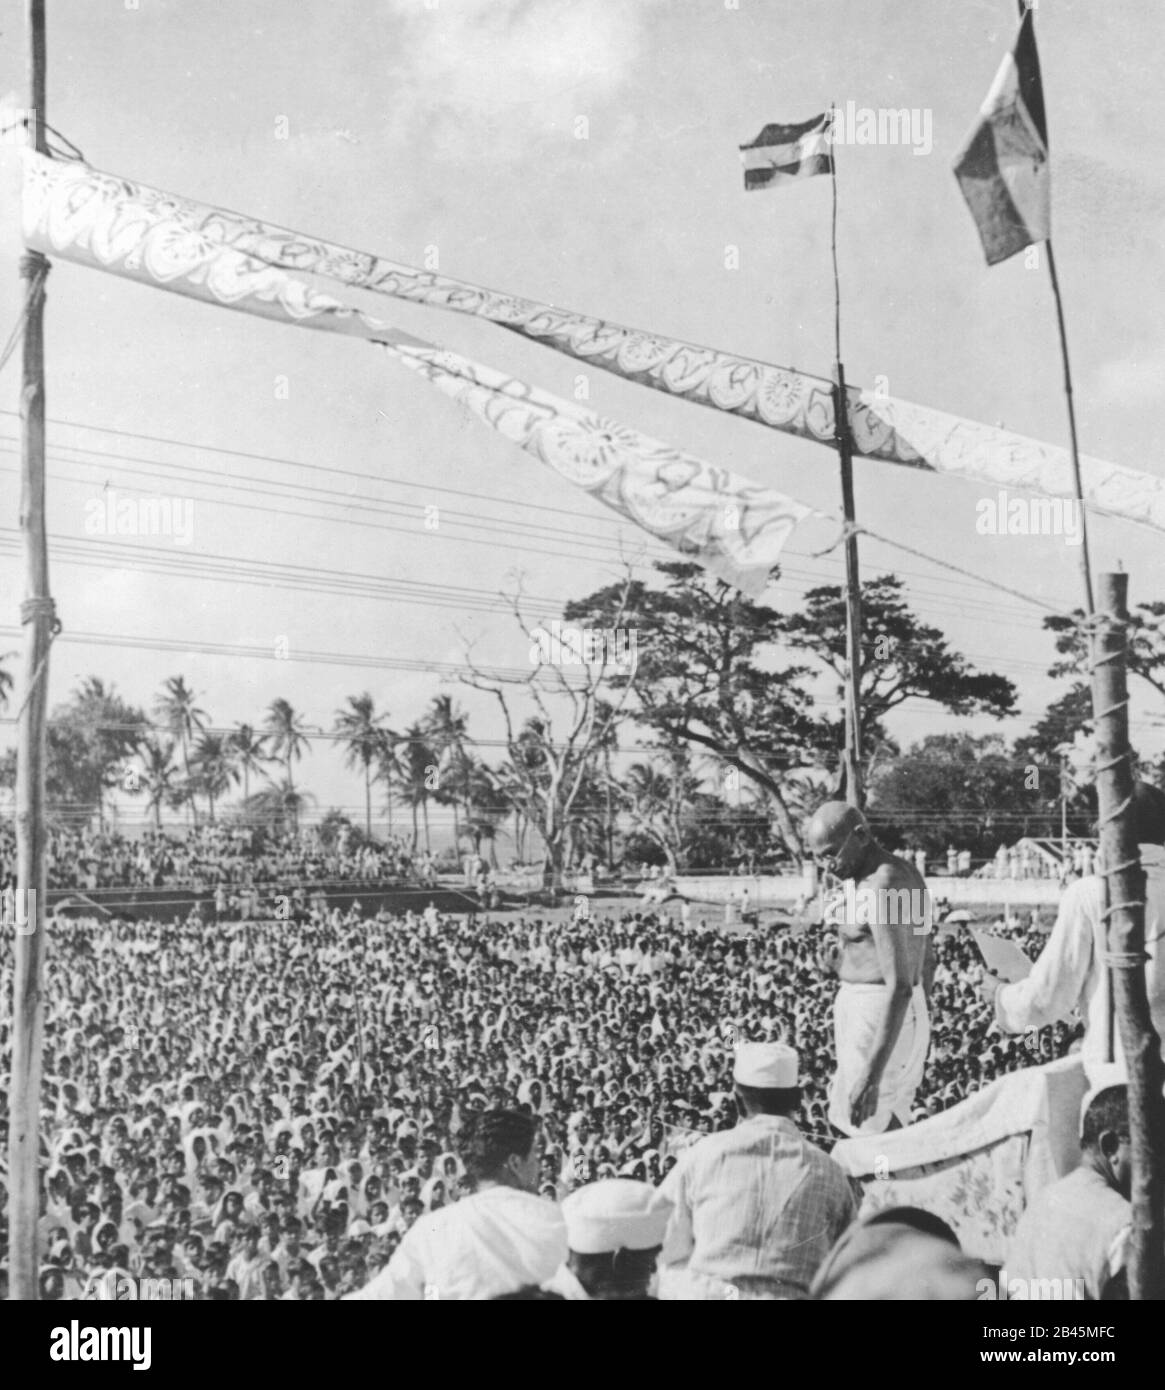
(1085,558)
(853,611)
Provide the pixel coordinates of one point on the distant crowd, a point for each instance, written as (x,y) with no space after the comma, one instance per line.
(209,856)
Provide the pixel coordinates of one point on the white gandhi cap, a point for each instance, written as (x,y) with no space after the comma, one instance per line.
(769,1066)
(615,1214)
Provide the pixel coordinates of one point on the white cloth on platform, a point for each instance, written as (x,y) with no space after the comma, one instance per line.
(857,1014)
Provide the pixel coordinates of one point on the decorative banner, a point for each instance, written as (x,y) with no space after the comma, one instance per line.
(68,204)
(734,528)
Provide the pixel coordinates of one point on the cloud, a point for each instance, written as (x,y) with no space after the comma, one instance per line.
(490,78)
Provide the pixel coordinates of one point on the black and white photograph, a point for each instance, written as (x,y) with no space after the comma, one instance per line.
(582,666)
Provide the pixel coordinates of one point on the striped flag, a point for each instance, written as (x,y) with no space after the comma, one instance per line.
(782,152)
(1003,170)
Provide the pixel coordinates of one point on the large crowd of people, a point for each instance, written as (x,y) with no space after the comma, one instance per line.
(209,856)
(263,1109)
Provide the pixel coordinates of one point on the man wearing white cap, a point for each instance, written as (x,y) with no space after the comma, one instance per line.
(614,1229)
(755,1209)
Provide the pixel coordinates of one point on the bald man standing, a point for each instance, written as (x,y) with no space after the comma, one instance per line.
(885,964)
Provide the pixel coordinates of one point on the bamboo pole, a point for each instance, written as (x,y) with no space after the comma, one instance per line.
(853,607)
(853,602)
(1125,881)
(37,613)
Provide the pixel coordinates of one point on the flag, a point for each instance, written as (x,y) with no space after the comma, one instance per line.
(1003,169)
(783,152)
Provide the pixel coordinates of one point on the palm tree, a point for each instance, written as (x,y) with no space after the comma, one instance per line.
(248,751)
(474,784)
(278,803)
(214,767)
(159,774)
(419,779)
(364,735)
(446,725)
(182,719)
(287,732)
(389,771)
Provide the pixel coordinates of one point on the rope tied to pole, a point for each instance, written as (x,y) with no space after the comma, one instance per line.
(32,610)
(34,267)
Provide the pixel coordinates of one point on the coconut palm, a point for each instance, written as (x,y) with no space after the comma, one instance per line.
(288,735)
(248,750)
(364,735)
(182,719)
(419,776)
(277,804)
(214,768)
(389,771)
(159,775)
(446,727)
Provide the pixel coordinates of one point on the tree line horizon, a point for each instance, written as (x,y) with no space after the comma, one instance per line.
(738,709)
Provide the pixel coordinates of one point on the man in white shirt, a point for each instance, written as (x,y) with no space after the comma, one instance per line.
(755,1208)
(496,1241)
(1071,974)
(1076,1230)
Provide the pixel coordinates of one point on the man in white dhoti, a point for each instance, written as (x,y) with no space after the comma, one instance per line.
(885,963)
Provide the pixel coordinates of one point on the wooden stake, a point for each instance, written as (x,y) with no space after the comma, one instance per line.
(1125,881)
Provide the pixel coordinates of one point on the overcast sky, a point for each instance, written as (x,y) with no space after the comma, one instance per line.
(454,125)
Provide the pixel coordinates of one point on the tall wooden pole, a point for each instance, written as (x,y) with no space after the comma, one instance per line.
(853,602)
(1125,881)
(37,613)
(853,607)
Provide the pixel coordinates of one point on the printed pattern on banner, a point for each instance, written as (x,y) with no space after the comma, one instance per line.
(59,194)
(734,528)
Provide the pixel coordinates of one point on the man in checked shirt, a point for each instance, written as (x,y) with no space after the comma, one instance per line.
(756,1208)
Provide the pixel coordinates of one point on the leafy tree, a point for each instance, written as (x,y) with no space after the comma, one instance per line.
(704,675)
(962,790)
(88,743)
(902,659)
(1145,636)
